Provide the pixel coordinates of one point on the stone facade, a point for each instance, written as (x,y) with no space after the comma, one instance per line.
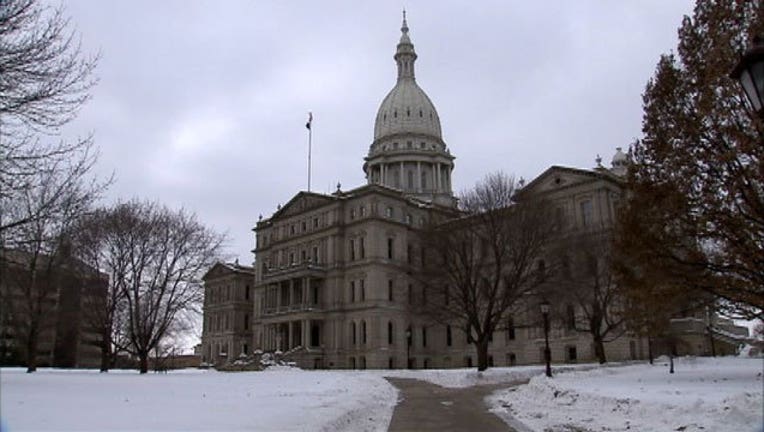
(334,275)
(228,307)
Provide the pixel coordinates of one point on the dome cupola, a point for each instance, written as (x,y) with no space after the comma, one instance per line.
(408,152)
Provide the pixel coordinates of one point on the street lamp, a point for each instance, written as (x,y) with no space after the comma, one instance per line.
(408,347)
(749,72)
(547,353)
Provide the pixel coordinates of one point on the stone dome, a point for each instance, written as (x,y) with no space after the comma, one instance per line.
(406,108)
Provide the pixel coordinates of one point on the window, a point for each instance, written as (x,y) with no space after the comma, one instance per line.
(390,290)
(303,255)
(390,248)
(449,340)
(408,219)
(424,180)
(363,289)
(315,222)
(424,295)
(411,293)
(246,322)
(571,354)
(304,226)
(246,292)
(586,213)
(570,313)
(362,210)
(291,258)
(315,254)
(511,359)
(362,247)
(389,333)
(510,328)
(424,336)
(291,229)
(363,332)
(352,291)
(411,179)
(408,254)
(245,349)
(352,334)
(352,250)
(389,212)
(352,214)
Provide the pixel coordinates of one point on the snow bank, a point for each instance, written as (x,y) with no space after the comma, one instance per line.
(278,400)
(460,378)
(705,394)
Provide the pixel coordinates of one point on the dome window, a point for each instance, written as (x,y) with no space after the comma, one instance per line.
(395,113)
(384,116)
(408,112)
(420,113)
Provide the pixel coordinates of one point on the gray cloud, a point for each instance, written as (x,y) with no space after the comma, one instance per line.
(202,104)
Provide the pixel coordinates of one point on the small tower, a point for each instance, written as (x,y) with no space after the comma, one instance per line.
(620,163)
(408,152)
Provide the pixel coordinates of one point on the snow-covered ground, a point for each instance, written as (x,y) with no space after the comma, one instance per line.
(281,400)
(705,394)
(708,394)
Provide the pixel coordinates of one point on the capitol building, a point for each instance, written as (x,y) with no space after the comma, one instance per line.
(332,277)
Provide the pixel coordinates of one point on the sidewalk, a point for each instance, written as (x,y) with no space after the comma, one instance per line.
(429,407)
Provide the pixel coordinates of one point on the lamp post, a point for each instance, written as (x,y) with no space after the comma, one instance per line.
(547,353)
(749,72)
(408,347)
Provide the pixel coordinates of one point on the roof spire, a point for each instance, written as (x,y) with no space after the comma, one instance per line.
(405,55)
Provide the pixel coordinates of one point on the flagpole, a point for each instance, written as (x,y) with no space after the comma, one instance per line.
(309,125)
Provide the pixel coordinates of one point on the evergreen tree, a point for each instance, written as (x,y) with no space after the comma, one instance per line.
(694,218)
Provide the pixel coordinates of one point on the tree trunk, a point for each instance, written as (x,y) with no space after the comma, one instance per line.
(599,348)
(32,349)
(144,362)
(482,354)
(671,363)
(650,349)
(105,354)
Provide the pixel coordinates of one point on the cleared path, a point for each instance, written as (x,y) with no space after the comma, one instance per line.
(429,407)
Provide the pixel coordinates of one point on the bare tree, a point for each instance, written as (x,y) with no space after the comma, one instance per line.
(585,286)
(37,255)
(44,81)
(97,244)
(155,258)
(480,267)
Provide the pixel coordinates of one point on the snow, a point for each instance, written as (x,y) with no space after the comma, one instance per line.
(460,378)
(286,399)
(708,394)
(705,394)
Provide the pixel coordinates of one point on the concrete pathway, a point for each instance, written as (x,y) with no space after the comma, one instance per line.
(428,407)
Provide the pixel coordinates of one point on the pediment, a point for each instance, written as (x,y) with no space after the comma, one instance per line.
(557,177)
(301,203)
(219,269)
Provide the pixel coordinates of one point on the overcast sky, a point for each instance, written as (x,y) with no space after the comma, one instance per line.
(202,104)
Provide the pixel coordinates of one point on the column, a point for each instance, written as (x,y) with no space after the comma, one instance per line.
(305,291)
(290,339)
(402,178)
(418,181)
(305,333)
(383,173)
(291,292)
(437,178)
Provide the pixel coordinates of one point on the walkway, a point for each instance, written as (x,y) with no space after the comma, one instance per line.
(428,407)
